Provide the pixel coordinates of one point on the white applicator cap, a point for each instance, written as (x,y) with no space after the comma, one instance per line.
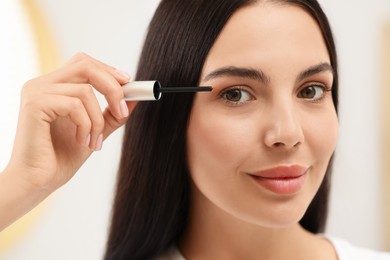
(142,90)
(152,90)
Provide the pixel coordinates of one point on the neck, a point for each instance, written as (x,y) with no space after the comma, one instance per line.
(215,234)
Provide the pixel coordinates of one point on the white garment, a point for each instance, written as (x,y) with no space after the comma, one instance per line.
(344,250)
(171,254)
(347,251)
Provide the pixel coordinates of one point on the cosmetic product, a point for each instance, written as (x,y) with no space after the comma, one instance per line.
(152,90)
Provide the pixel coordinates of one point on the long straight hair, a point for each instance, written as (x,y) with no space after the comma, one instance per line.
(152,201)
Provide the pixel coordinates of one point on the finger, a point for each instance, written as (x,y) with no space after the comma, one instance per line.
(55,106)
(121,76)
(112,123)
(87,96)
(84,69)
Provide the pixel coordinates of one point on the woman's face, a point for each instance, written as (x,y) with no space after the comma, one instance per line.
(259,144)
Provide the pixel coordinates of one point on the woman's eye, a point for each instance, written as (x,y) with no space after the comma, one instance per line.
(312,92)
(236,96)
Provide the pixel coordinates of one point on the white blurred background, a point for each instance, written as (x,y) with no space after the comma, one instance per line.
(73,222)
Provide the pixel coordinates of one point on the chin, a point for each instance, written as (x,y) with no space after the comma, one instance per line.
(276,217)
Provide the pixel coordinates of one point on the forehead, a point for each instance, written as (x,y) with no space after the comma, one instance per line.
(268,33)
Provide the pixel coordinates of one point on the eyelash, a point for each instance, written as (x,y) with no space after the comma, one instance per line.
(224,92)
(324,88)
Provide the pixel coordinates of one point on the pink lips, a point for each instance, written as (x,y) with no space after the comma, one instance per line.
(282,180)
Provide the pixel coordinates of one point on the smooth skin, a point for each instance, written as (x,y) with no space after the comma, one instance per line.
(271,106)
(60,124)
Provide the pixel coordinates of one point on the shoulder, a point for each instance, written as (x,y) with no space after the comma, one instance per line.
(347,251)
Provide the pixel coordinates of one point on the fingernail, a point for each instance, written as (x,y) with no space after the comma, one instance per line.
(87,140)
(124,108)
(99,143)
(123,74)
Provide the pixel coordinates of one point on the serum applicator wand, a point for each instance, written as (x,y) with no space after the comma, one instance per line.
(152,90)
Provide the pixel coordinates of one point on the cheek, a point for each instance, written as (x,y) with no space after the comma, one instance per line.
(217,143)
(322,137)
(217,146)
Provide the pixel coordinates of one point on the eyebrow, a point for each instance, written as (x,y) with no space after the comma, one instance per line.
(237,72)
(322,67)
(259,75)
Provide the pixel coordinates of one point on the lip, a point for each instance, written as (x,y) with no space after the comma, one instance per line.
(284,180)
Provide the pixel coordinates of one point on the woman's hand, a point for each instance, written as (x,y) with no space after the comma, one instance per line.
(61,123)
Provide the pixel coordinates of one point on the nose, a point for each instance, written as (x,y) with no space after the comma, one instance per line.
(284,129)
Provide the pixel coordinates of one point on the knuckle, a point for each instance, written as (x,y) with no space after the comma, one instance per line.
(111,91)
(28,85)
(85,68)
(80,56)
(75,104)
(98,124)
(85,124)
(85,127)
(82,62)
(87,91)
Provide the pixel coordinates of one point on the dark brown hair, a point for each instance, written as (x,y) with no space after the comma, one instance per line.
(151,205)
